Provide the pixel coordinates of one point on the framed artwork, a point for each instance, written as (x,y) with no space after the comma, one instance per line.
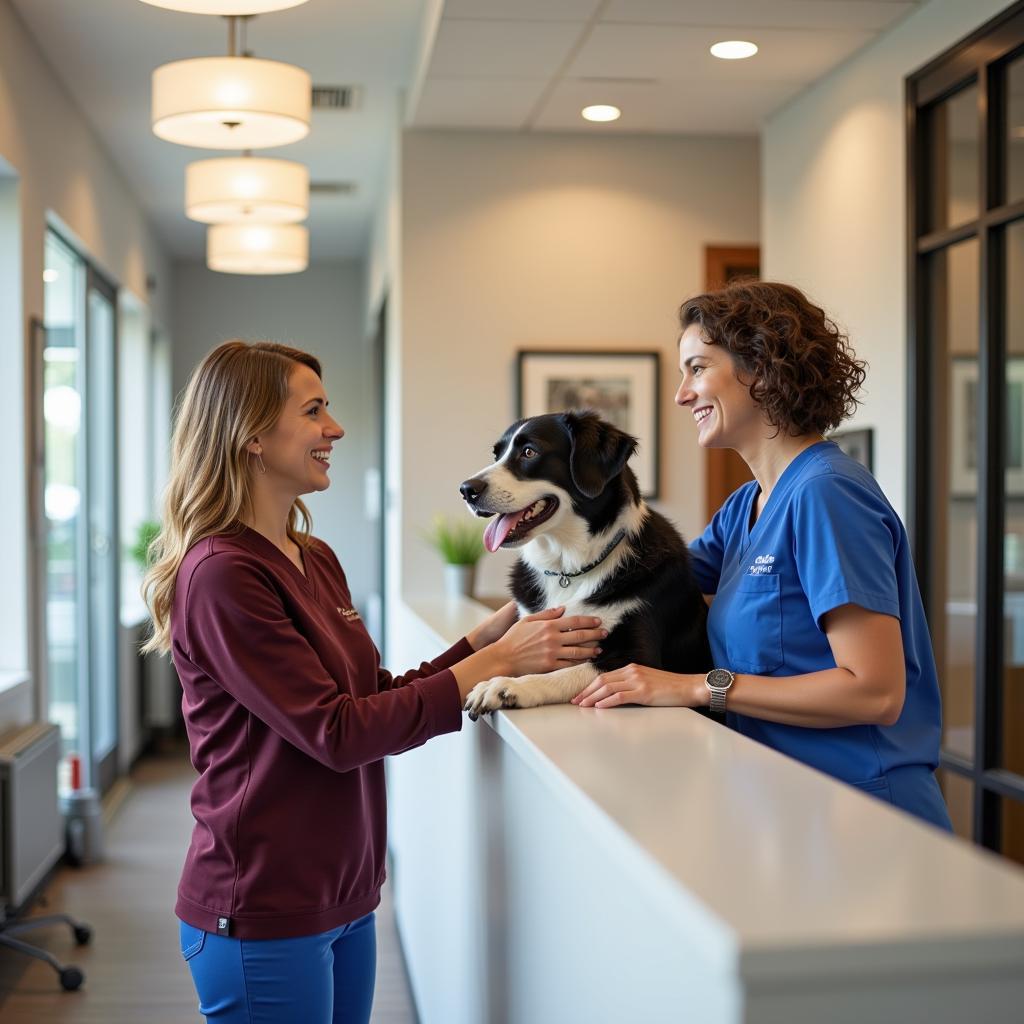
(964,413)
(622,387)
(858,444)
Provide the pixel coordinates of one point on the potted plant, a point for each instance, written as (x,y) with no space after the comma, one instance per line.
(145,533)
(460,543)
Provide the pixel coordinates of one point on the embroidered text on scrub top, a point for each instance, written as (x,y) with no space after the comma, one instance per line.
(763,565)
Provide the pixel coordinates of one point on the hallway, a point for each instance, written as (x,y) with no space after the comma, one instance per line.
(133,968)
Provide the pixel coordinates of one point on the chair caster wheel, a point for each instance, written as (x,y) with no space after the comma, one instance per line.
(71,978)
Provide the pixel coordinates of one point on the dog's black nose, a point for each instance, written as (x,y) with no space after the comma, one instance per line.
(472,489)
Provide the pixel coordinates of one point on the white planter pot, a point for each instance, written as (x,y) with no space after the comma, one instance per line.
(459,580)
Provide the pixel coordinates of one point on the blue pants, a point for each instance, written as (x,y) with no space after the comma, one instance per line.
(315,979)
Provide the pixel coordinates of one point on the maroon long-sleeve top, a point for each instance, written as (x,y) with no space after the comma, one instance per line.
(289,715)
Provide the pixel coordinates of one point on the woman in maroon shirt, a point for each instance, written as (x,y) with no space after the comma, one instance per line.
(288,711)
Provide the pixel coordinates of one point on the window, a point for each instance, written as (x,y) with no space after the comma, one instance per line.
(78,617)
(966,328)
(135,445)
(15,658)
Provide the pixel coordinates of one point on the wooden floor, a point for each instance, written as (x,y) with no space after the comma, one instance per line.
(133,966)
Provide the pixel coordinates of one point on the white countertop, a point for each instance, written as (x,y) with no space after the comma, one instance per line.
(772,857)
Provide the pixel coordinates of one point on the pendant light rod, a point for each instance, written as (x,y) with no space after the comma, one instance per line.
(238,34)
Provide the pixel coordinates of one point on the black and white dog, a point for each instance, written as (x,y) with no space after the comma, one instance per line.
(560,489)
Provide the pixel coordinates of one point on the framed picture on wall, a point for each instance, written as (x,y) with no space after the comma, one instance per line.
(622,386)
(858,444)
(965,412)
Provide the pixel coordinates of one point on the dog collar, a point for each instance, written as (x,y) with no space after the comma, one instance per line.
(564,577)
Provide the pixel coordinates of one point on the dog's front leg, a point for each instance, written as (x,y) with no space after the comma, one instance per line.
(558,687)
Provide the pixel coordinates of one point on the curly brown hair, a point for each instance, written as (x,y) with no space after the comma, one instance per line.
(805,374)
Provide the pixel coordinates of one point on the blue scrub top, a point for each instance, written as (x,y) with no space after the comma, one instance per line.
(827,537)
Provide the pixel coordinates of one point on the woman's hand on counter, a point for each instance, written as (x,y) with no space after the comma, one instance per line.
(494,627)
(638,684)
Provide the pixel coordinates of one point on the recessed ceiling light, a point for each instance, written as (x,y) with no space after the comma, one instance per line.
(734,49)
(602,112)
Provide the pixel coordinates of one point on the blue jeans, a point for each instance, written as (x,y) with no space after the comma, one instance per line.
(314,979)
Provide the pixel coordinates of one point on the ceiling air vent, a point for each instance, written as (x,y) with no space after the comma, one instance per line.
(331,188)
(335,97)
(607,80)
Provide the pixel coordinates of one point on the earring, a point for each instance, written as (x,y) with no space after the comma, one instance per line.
(259,462)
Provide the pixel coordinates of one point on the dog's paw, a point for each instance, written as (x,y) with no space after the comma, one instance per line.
(491,695)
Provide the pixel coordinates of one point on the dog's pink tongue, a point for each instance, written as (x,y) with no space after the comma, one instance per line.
(499,528)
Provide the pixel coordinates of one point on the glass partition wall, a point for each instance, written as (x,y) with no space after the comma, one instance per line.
(965,116)
(75,367)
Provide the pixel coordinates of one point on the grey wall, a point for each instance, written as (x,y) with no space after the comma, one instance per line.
(321,311)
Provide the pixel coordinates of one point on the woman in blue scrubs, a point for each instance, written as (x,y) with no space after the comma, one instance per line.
(815,614)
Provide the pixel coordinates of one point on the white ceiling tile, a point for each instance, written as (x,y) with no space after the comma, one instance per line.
(869,15)
(666,107)
(477,102)
(676,52)
(522,10)
(501,49)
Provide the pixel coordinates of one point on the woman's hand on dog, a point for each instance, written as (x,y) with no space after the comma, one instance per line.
(494,627)
(550,640)
(638,684)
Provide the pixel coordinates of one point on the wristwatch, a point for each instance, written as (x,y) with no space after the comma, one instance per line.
(718,681)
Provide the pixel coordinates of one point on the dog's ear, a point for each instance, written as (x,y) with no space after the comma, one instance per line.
(599,451)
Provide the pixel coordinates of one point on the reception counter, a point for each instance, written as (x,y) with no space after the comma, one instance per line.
(647,864)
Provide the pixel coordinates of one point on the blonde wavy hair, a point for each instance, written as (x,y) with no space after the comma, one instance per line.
(235,394)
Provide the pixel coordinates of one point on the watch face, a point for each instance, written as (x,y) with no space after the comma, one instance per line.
(719,678)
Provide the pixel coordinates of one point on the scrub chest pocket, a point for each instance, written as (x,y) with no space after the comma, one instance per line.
(754,637)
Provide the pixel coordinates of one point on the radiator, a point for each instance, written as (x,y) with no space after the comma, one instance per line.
(31,829)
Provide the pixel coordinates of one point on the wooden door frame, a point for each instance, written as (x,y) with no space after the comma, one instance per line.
(720,264)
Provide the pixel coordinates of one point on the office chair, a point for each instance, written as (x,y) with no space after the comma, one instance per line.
(71,977)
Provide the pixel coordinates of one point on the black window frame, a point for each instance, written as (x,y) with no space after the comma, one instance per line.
(981,59)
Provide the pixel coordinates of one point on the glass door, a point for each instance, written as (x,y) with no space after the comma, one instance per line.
(63,383)
(79,594)
(965,134)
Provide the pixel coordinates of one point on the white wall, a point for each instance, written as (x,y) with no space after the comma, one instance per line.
(320,311)
(65,169)
(63,174)
(516,241)
(834,207)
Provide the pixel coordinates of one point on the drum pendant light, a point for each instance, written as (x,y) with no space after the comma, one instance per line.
(224,7)
(231,102)
(257,248)
(246,189)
